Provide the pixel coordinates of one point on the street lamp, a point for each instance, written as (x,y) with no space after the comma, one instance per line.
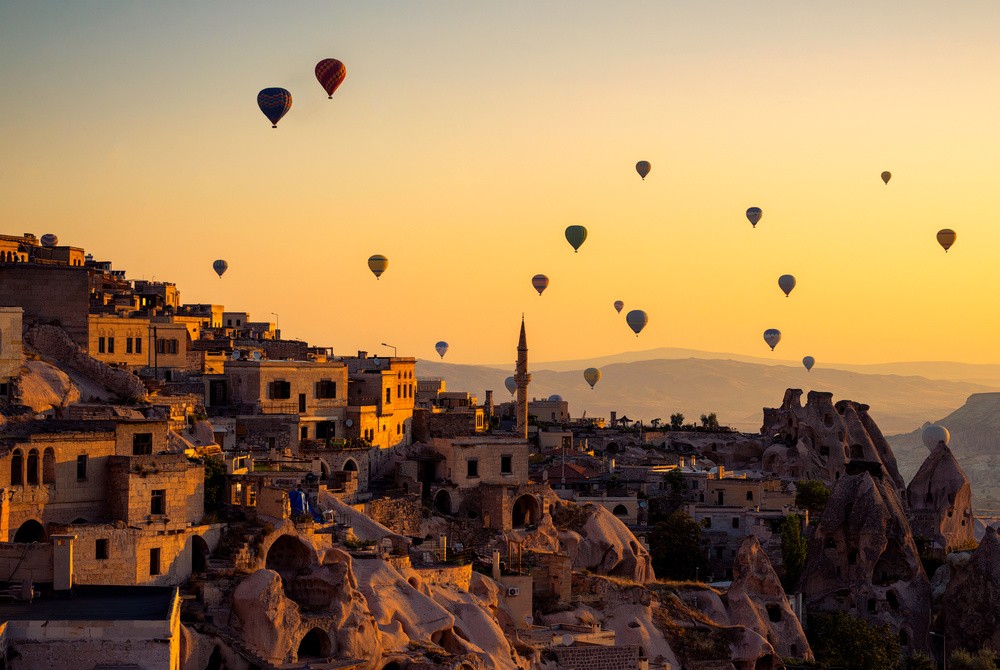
(391,347)
(944,650)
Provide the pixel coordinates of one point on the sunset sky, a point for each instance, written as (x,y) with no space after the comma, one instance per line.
(467,136)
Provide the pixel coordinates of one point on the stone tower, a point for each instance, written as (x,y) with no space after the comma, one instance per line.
(522,378)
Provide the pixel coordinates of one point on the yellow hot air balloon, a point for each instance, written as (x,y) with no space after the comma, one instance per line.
(946,237)
(592,376)
(378,264)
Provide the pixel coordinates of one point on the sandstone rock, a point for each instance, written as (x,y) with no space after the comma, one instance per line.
(200,651)
(819,440)
(476,631)
(757,600)
(42,386)
(971,605)
(862,559)
(606,546)
(269,622)
(940,503)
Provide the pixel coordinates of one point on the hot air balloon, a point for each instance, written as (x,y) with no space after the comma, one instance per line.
(786,283)
(946,238)
(754,214)
(772,336)
(275,103)
(442,348)
(886,176)
(643,168)
(618,306)
(330,72)
(592,376)
(933,435)
(220,266)
(378,264)
(576,235)
(49,240)
(540,282)
(809,362)
(511,385)
(636,320)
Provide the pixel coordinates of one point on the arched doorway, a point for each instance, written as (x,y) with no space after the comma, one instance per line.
(525,511)
(30,531)
(442,502)
(350,465)
(620,510)
(287,554)
(199,554)
(392,665)
(314,644)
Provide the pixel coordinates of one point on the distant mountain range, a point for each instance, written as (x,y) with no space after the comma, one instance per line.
(658,383)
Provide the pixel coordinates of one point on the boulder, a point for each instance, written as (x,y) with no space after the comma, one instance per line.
(940,503)
(268,621)
(606,546)
(757,600)
(862,559)
(970,609)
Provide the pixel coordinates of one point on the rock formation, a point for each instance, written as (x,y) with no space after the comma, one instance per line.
(606,546)
(819,440)
(862,558)
(940,503)
(757,600)
(969,608)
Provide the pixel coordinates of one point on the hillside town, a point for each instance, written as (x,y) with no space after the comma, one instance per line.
(185,489)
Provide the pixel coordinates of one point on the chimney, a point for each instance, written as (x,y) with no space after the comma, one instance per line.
(62,562)
(614,418)
(362,354)
(496,565)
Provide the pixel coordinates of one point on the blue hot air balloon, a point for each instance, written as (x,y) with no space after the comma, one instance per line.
(274,103)
(442,348)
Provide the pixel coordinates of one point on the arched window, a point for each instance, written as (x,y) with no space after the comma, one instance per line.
(17,468)
(49,466)
(33,466)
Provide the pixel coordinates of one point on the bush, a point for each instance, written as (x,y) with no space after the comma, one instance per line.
(984,659)
(675,546)
(811,494)
(842,640)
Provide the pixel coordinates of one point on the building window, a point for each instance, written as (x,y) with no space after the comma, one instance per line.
(280,390)
(17,468)
(229,322)
(154,562)
(472,468)
(101,550)
(718,551)
(736,522)
(158,502)
(326,389)
(388,395)
(128,345)
(111,345)
(271,442)
(707,522)
(49,466)
(33,466)
(164,346)
(138,345)
(142,444)
(750,496)
(81,467)
(100,345)
(506,465)
(304,433)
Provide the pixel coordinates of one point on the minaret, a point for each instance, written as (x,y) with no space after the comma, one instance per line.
(522,378)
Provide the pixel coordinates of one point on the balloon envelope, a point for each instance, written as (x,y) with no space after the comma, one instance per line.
(636,320)
(643,168)
(220,266)
(49,240)
(275,103)
(592,376)
(540,282)
(933,434)
(511,385)
(619,305)
(754,214)
(378,264)
(442,348)
(576,235)
(809,362)
(786,283)
(330,73)
(946,238)
(772,336)
(886,176)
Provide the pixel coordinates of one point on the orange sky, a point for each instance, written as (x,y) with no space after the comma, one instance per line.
(467,137)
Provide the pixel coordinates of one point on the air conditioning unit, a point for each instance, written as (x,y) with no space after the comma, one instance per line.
(513,591)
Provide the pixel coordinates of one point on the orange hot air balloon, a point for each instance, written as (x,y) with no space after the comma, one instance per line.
(330,72)
(946,237)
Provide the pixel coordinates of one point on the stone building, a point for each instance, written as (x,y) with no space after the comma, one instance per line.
(381,397)
(138,343)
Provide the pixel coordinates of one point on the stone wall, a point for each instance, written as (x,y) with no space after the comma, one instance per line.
(400,515)
(11,351)
(596,658)
(26,561)
(49,294)
(427,424)
(132,480)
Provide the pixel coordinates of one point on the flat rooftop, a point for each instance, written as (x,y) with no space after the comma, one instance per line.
(96,603)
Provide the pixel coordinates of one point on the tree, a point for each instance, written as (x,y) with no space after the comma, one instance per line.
(920,661)
(793,551)
(960,659)
(675,546)
(710,421)
(215,482)
(842,640)
(676,421)
(811,494)
(655,423)
(672,498)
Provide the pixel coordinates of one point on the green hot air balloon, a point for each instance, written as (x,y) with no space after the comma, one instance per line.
(592,376)
(576,236)
(511,384)
(636,320)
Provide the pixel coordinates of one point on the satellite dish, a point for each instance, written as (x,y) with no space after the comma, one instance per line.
(255,355)
(236,354)
(349,423)
(567,640)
